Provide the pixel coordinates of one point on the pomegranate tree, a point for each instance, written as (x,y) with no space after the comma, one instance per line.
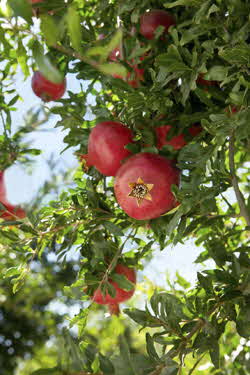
(151,20)
(143,186)
(177,141)
(106,146)
(121,295)
(47,90)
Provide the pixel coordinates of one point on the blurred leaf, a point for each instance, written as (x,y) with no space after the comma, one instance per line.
(74,27)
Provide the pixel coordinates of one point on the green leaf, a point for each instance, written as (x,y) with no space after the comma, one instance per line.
(243,321)
(47,371)
(74,28)
(22,58)
(172,61)
(104,51)
(21,8)
(171,367)
(122,282)
(45,66)
(239,55)
(183,3)
(113,68)
(125,354)
(49,29)
(113,228)
(215,353)
(151,348)
(142,318)
(12,271)
(217,73)
(95,366)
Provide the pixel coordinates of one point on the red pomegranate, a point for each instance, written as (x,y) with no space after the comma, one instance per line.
(143,186)
(2,188)
(134,78)
(177,141)
(204,82)
(12,212)
(232,109)
(47,90)
(121,294)
(106,146)
(151,20)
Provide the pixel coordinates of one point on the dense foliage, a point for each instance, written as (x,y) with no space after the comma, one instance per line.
(185,329)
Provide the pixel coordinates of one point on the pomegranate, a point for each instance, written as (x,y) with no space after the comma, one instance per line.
(204,82)
(12,212)
(121,294)
(177,141)
(47,90)
(106,146)
(2,188)
(143,186)
(232,109)
(134,78)
(151,20)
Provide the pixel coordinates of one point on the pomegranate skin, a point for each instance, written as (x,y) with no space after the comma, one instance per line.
(106,146)
(149,22)
(178,141)
(12,212)
(153,170)
(204,82)
(47,90)
(121,294)
(3,197)
(36,1)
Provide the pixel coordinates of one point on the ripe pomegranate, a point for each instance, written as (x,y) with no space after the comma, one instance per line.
(204,82)
(47,90)
(232,109)
(134,78)
(178,141)
(143,186)
(12,212)
(151,20)
(106,146)
(2,188)
(36,1)
(121,294)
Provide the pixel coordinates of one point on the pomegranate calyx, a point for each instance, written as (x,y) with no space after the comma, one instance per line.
(114,309)
(140,190)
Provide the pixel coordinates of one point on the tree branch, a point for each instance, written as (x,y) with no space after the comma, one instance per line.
(239,196)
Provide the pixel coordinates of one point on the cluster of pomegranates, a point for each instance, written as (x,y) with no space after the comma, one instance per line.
(149,23)
(143,181)
(10,212)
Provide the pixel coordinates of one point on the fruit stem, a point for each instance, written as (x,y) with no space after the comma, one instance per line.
(114,309)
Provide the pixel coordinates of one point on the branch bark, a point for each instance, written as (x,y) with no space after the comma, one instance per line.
(239,196)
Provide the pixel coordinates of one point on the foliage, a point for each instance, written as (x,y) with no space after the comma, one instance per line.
(185,327)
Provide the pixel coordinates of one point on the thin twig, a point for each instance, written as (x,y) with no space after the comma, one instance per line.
(239,196)
(196,364)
